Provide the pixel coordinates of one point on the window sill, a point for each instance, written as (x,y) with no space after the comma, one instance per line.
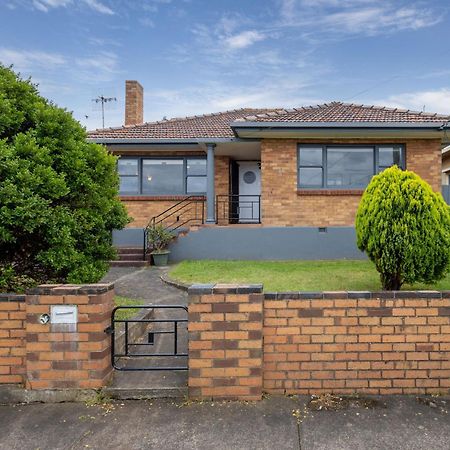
(330,192)
(159,197)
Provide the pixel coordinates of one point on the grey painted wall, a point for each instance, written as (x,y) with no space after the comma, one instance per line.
(274,243)
(258,243)
(128,237)
(446,193)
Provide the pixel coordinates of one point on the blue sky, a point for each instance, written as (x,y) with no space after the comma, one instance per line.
(200,56)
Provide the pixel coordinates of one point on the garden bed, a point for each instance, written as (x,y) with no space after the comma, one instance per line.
(342,275)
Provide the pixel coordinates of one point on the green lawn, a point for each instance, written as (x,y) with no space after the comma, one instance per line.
(341,275)
(123,314)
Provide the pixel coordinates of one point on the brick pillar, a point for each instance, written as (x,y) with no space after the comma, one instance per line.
(63,356)
(225,342)
(12,338)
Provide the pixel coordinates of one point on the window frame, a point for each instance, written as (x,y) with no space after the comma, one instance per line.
(187,176)
(376,167)
(130,176)
(140,160)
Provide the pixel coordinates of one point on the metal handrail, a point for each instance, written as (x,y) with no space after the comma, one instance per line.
(177,208)
(233,200)
(190,198)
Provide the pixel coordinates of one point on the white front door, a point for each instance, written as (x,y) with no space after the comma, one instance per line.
(249,191)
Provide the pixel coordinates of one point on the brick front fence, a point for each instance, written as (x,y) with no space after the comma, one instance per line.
(52,356)
(12,338)
(225,342)
(243,342)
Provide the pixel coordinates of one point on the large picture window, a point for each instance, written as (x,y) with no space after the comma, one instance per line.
(162,176)
(344,167)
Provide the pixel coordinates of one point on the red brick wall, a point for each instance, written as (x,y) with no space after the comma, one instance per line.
(372,343)
(225,343)
(143,208)
(284,205)
(12,338)
(60,356)
(56,356)
(346,343)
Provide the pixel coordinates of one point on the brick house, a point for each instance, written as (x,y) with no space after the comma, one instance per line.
(264,183)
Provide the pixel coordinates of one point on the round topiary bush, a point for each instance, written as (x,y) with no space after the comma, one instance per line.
(58,193)
(404,228)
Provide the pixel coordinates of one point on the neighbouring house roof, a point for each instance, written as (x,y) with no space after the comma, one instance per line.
(222,124)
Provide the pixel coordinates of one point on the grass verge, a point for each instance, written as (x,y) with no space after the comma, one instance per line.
(123,314)
(341,275)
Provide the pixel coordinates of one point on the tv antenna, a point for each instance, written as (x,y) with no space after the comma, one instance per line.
(102,99)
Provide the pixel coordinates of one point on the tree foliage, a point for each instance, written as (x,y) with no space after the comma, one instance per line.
(404,227)
(58,193)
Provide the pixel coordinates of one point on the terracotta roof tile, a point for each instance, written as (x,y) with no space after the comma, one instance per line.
(217,125)
(346,112)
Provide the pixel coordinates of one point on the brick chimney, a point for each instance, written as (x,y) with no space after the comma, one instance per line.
(134,103)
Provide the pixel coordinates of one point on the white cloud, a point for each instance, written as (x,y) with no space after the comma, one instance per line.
(350,17)
(29,59)
(433,101)
(99,7)
(100,62)
(380,19)
(219,96)
(243,39)
(47,5)
(95,68)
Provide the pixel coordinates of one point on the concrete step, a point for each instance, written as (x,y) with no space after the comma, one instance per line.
(135,263)
(129,250)
(129,256)
(146,393)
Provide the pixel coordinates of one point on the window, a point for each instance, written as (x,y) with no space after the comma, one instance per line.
(344,167)
(129,175)
(162,176)
(349,167)
(195,176)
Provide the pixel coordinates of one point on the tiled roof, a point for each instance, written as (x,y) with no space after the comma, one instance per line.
(345,112)
(217,125)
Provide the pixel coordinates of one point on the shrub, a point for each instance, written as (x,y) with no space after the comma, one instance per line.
(404,227)
(158,238)
(58,193)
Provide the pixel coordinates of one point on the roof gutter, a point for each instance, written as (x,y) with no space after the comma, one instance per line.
(342,130)
(159,142)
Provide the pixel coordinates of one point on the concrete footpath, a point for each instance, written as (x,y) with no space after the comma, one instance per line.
(275,423)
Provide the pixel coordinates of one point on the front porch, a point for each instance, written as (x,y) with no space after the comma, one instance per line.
(195,184)
(233,194)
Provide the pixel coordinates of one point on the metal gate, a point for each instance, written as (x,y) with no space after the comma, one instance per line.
(149,337)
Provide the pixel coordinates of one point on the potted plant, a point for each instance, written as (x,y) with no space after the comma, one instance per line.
(158,239)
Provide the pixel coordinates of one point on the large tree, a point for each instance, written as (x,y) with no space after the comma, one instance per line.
(404,227)
(58,193)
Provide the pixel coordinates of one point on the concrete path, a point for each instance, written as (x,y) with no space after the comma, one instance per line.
(275,423)
(145,283)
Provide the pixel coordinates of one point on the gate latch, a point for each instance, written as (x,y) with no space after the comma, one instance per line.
(109,330)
